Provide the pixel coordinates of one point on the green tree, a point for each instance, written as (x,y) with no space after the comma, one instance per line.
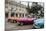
(34,8)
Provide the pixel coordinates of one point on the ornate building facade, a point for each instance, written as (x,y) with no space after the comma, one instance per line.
(13,8)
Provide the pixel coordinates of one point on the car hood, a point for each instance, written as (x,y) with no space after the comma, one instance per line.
(40,21)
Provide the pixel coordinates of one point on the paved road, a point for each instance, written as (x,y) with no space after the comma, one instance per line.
(13,26)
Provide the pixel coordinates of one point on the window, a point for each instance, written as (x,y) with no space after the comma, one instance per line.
(6,14)
(12,14)
(21,15)
(16,15)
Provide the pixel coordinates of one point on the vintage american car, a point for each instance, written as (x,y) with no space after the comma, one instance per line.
(12,19)
(39,23)
(21,20)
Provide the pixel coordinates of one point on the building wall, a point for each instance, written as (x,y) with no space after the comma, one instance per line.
(19,10)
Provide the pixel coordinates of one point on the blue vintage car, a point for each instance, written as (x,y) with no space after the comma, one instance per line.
(39,23)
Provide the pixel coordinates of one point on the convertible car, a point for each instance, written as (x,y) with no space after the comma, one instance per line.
(39,23)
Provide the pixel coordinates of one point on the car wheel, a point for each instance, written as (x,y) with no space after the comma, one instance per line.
(18,23)
(21,23)
(11,21)
(15,21)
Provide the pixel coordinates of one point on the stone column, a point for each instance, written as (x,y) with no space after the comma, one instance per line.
(9,15)
(21,15)
(15,15)
(24,15)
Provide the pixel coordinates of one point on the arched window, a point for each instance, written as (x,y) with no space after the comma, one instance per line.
(12,14)
(6,14)
(16,15)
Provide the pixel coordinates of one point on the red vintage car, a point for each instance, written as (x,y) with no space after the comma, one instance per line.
(21,21)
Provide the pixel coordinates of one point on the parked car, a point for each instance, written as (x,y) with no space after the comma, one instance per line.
(21,20)
(12,19)
(39,23)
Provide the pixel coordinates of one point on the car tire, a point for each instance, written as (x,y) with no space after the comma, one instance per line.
(11,21)
(15,21)
(21,23)
(18,23)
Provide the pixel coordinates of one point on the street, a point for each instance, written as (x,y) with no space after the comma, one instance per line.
(13,26)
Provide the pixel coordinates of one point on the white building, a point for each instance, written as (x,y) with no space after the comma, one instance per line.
(13,8)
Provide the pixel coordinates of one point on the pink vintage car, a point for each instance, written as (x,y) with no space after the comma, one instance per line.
(25,21)
(11,19)
(21,21)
